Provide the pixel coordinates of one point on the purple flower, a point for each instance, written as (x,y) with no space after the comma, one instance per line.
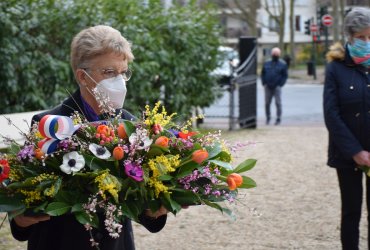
(174,132)
(134,171)
(26,153)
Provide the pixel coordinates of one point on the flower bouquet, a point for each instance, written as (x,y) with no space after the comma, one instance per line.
(117,167)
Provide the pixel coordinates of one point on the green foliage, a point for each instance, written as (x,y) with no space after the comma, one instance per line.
(175,50)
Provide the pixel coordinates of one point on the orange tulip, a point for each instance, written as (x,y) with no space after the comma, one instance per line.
(118,153)
(234,180)
(162,141)
(39,154)
(199,155)
(121,131)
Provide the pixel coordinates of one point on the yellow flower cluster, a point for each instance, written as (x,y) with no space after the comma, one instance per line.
(43,177)
(15,174)
(153,117)
(161,165)
(108,183)
(189,123)
(50,191)
(31,196)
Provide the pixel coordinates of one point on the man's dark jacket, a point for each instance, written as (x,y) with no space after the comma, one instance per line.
(346,108)
(274,73)
(65,232)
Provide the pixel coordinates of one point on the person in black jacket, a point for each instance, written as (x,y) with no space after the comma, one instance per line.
(99,59)
(347,118)
(274,76)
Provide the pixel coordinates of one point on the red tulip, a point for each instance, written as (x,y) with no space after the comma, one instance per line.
(186,135)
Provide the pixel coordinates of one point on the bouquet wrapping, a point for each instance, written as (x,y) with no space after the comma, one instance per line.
(119,168)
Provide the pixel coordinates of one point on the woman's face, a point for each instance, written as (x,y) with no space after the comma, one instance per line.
(363,35)
(103,67)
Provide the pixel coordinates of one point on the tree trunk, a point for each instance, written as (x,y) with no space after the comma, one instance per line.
(292,31)
(334,4)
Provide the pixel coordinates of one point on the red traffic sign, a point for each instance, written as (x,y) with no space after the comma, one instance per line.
(327,20)
(314,28)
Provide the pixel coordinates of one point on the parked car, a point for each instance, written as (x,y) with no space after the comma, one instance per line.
(229,60)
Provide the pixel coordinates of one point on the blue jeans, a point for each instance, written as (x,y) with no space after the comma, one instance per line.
(269,94)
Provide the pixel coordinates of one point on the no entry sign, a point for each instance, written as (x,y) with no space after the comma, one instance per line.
(314,28)
(327,20)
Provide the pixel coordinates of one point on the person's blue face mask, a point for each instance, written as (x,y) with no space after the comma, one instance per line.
(360,52)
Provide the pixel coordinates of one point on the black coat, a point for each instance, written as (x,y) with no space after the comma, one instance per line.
(346,109)
(66,233)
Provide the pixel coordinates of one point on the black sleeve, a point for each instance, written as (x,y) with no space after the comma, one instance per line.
(153,225)
(20,233)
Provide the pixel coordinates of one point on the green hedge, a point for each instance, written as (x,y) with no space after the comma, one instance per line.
(175,51)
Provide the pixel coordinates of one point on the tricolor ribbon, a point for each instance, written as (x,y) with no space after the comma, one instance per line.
(55,128)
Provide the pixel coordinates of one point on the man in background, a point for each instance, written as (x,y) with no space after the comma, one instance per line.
(274,76)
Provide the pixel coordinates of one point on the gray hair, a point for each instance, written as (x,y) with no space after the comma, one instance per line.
(356,21)
(95,41)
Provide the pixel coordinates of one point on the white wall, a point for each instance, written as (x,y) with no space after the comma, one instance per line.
(19,119)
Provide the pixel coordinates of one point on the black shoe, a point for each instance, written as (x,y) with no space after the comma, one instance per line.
(267,121)
(277,121)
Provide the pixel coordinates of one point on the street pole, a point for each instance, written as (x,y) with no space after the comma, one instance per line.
(313,54)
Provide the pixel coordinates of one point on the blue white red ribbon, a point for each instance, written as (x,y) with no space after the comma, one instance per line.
(55,128)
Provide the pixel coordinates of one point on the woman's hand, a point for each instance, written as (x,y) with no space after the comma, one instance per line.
(362,158)
(161,211)
(26,221)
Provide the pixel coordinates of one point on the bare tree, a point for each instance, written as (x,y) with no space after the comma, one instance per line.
(242,10)
(276,10)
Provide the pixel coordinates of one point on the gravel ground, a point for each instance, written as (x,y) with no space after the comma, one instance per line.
(295,205)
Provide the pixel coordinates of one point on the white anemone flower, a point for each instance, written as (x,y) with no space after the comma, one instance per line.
(99,151)
(141,142)
(72,162)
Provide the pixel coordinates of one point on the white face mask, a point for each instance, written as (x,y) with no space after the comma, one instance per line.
(114,89)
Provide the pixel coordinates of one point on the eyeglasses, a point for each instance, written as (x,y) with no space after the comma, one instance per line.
(110,73)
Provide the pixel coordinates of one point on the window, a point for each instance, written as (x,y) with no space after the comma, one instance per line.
(273,24)
(297,23)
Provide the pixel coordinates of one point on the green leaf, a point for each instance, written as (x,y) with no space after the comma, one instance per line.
(57,208)
(222,164)
(185,197)
(186,169)
(8,204)
(248,183)
(165,177)
(77,208)
(170,204)
(245,166)
(214,151)
(84,218)
(129,127)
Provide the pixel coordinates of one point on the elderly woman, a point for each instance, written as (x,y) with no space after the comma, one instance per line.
(347,118)
(99,59)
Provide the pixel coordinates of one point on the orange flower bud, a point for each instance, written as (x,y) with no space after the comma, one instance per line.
(121,131)
(118,153)
(162,141)
(103,129)
(39,154)
(234,180)
(199,155)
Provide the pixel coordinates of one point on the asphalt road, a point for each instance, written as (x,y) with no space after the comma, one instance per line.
(302,105)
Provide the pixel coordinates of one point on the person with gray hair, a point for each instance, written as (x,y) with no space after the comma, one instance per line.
(347,118)
(99,60)
(274,76)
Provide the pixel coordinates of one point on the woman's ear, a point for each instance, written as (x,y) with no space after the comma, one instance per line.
(81,77)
